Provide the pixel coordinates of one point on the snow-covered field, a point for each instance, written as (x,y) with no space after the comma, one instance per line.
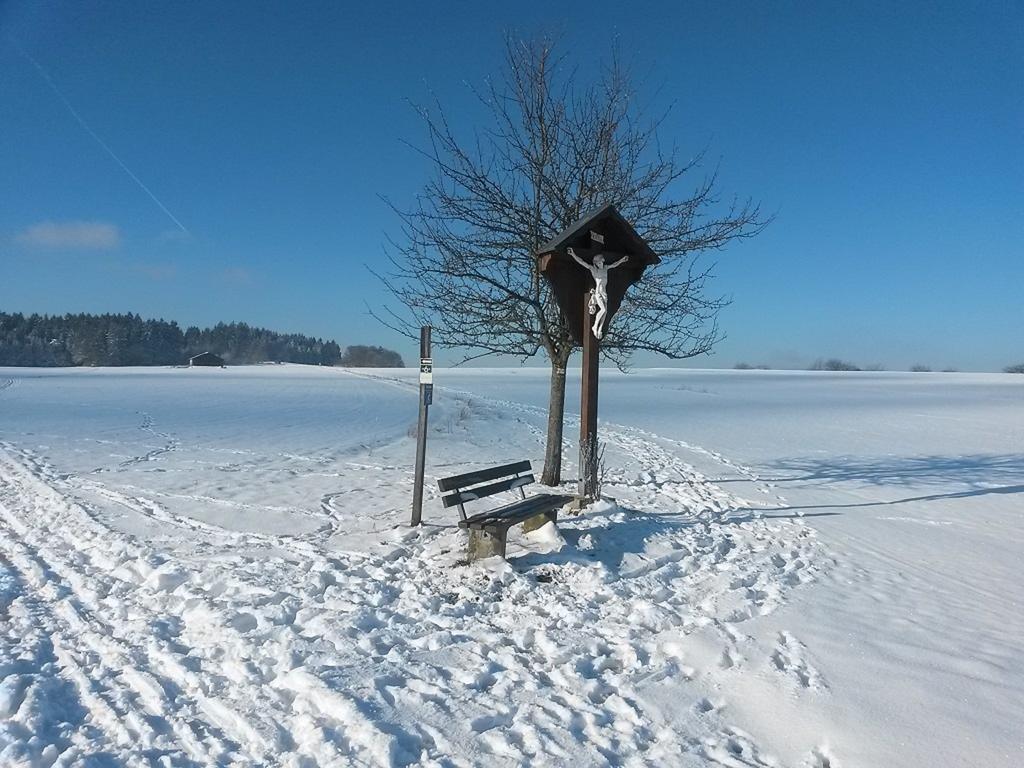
(213,567)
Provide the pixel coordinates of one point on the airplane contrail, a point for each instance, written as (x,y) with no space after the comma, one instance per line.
(85,126)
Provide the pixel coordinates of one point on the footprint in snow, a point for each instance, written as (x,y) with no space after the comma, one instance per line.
(789,659)
(822,757)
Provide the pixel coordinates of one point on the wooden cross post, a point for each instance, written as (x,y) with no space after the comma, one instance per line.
(567,262)
(588,409)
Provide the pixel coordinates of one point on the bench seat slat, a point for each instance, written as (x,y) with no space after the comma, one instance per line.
(522,506)
(481,475)
(481,491)
(510,514)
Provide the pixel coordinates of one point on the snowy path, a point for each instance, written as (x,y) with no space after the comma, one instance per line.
(175,665)
(213,568)
(141,635)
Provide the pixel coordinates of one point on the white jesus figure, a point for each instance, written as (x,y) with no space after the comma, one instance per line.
(599,296)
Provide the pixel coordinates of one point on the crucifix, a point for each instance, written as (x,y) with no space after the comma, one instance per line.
(599,294)
(613,257)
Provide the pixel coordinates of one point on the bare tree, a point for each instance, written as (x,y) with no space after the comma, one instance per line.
(554,148)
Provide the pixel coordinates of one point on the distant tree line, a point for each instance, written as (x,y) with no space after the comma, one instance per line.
(83,339)
(834,364)
(240,344)
(359,356)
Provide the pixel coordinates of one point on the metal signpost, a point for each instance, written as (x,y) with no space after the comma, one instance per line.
(426,398)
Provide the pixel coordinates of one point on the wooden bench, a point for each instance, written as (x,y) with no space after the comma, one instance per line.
(489,530)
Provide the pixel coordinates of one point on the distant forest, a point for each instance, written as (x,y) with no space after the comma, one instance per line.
(61,340)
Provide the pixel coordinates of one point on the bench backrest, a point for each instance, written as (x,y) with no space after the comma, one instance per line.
(478,484)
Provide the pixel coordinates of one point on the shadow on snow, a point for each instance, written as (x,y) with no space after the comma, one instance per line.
(983,469)
(618,533)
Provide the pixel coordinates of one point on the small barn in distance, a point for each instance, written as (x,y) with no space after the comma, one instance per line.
(206,358)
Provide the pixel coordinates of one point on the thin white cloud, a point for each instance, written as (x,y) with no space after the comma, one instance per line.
(71,235)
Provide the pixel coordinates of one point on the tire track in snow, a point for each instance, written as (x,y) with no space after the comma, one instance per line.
(38,701)
(117,697)
(236,671)
(137,673)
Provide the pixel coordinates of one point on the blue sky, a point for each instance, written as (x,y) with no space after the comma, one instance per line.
(888,139)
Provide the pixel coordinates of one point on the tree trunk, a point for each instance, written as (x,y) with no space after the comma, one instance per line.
(552,474)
